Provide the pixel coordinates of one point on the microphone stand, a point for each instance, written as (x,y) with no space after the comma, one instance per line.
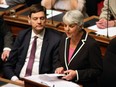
(51,12)
(107,19)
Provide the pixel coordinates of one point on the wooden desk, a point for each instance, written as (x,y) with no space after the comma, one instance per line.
(17,23)
(6,10)
(21,22)
(9,81)
(29,83)
(47,80)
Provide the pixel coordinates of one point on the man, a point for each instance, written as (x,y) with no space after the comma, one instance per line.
(108,77)
(108,13)
(46,49)
(5,41)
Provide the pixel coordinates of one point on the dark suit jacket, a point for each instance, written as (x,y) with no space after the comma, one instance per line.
(87,60)
(48,57)
(5,35)
(108,77)
(6,38)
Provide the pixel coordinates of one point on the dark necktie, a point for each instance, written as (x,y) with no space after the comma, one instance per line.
(31,58)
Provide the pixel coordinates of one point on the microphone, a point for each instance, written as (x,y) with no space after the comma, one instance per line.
(108,18)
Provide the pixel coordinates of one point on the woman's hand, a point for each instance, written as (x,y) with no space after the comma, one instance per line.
(59,70)
(70,74)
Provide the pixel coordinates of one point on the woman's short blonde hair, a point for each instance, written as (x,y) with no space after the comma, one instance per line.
(73,16)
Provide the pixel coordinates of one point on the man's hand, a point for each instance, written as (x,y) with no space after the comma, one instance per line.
(102,23)
(1,2)
(5,54)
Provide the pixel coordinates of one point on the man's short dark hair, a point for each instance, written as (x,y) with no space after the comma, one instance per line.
(37,8)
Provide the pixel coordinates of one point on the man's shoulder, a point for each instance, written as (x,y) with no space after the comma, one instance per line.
(53,35)
(25,31)
(53,32)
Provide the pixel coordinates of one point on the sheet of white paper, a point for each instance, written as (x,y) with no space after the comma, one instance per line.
(50,77)
(94,27)
(10,85)
(111,30)
(51,80)
(51,13)
(4,6)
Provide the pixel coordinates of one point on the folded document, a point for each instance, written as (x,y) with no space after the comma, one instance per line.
(51,80)
(4,6)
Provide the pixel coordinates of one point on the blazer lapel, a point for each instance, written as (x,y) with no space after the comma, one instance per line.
(66,51)
(26,43)
(43,50)
(78,48)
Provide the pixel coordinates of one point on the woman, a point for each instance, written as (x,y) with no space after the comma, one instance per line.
(108,13)
(79,53)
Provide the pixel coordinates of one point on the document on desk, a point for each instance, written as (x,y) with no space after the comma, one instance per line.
(111,30)
(51,80)
(51,13)
(4,6)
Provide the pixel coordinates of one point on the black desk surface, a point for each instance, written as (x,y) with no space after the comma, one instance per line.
(90,22)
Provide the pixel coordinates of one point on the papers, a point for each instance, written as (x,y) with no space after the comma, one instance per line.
(51,80)
(55,75)
(94,27)
(10,85)
(4,6)
(111,30)
(51,13)
(50,77)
